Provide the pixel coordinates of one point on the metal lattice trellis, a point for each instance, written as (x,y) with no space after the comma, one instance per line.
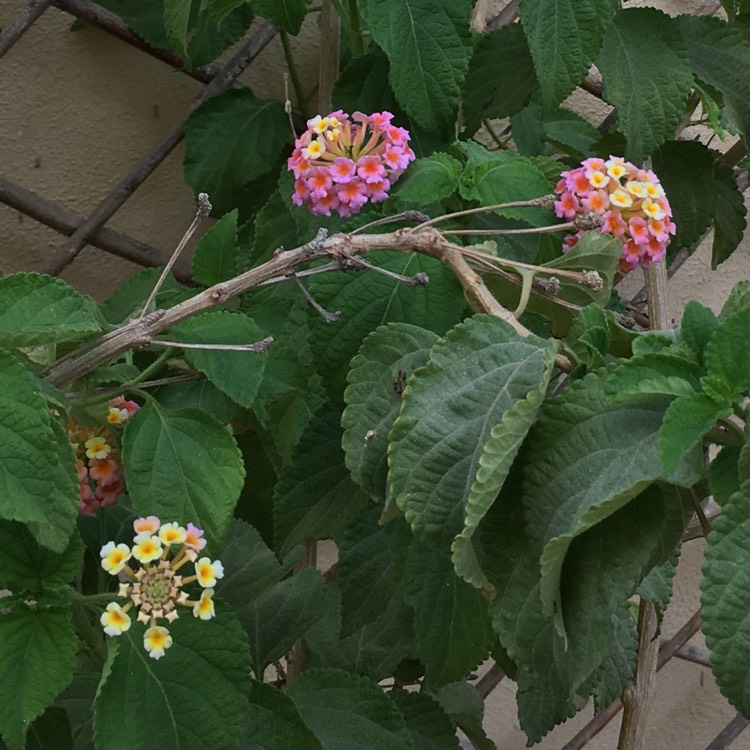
(91,229)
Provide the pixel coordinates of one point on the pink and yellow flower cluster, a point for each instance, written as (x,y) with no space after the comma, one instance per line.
(99,470)
(630,200)
(342,162)
(155,588)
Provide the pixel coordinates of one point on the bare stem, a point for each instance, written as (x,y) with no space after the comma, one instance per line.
(546,201)
(204,209)
(257,347)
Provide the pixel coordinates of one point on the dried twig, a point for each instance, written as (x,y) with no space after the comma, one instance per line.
(22,23)
(257,347)
(125,188)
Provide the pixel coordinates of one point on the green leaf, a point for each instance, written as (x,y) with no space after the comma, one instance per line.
(639,46)
(215,257)
(230,140)
(37,655)
(451,623)
(427,723)
(428,46)
(729,364)
(130,297)
(220,8)
(286,14)
(570,132)
(687,419)
(719,55)
(656,587)
(176,22)
(652,376)
(77,700)
(51,729)
(375,650)
(183,465)
(739,299)
(193,697)
(345,710)
(367,300)
(685,170)
(451,423)
(729,221)
(315,497)
(586,461)
(273,723)
(38,484)
(465,707)
(723,474)
(429,180)
(617,669)
(238,374)
(282,615)
(501,77)
(564,37)
(24,565)
(698,325)
(378,373)
(36,310)
(366,574)
(197,394)
(724,600)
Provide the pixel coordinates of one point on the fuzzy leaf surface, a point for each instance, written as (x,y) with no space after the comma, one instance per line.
(476,374)
(729,364)
(37,656)
(638,46)
(37,309)
(205,710)
(564,38)
(730,220)
(428,45)
(215,257)
(372,401)
(183,465)
(288,15)
(427,723)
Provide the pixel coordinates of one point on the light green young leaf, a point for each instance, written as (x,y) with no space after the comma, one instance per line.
(730,221)
(725,599)
(37,309)
(587,460)
(286,14)
(273,722)
(315,498)
(215,257)
(501,77)
(428,45)
(719,55)
(652,376)
(195,694)
(238,374)
(698,325)
(638,47)
(378,374)
(37,656)
(38,484)
(686,171)
(564,38)
(230,140)
(475,376)
(345,710)
(184,465)
(427,723)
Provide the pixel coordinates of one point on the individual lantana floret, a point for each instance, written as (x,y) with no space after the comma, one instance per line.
(154,588)
(100,476)
(630,200)
(341,162)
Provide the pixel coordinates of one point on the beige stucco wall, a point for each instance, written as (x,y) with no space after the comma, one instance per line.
(78,110)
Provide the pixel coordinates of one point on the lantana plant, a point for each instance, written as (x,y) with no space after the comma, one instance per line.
(341,162)
(154,587)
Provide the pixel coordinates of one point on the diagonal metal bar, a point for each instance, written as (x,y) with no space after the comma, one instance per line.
(103,19)
(66,222)
(729,734)
(22,23)
(128,184)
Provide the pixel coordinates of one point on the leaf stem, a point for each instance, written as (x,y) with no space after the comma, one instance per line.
(501,144)
(356,38)
(293,74)
(545,201)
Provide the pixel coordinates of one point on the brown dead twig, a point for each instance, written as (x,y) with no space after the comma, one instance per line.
(340,249)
